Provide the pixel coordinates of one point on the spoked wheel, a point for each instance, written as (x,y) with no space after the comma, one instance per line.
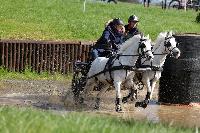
(79,79)
(175,4)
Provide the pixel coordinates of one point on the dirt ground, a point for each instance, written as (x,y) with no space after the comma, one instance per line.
(57,96)
(40,94)
(52,95)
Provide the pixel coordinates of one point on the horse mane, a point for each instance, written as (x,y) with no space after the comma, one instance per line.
(129,42)
(160,39)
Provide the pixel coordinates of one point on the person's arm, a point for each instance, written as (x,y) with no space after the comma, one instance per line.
(106,36)
(106,40)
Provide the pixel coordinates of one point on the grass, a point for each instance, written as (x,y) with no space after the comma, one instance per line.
(32,75)
(65,19)
(25,120)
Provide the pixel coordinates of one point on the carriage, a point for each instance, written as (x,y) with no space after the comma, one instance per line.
(180,4)
(119,70)
(80,70)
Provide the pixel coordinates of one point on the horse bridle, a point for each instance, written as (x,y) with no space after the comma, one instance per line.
(142,46)
(167,45)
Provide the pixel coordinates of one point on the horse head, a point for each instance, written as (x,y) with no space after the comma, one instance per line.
(170,45)
(145,47)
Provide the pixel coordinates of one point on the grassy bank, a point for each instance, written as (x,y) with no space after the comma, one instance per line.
(32,121)
(32,75)
(65,19)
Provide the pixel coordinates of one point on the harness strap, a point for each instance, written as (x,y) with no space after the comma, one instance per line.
(131,68)
(109,64)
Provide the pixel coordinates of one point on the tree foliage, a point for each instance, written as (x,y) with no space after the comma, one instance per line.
(198,18)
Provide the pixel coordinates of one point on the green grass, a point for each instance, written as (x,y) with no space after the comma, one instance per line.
(32,75)
(24,120)
(65,19)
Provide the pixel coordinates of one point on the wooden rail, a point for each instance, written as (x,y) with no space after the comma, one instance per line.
(42,56)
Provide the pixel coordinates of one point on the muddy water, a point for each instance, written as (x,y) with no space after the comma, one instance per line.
(57,96)
(173,115)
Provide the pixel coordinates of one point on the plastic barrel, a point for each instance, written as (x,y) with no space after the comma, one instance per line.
(180,80)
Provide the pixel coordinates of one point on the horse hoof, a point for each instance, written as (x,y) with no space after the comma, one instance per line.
(124,100)
(118,108)
(141,104)
(96,107)
(137,104)
(144,105)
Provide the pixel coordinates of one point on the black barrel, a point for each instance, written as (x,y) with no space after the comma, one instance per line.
(180,80)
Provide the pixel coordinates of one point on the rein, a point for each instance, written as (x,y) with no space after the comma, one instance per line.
(125,67)
(127,55)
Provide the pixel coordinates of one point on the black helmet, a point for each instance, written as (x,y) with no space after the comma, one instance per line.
(133,18)
(117,21)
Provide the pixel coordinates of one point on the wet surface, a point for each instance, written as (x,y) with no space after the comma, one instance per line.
(185,116)
(56,96)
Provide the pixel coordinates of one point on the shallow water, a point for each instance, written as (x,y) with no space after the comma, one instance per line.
(187,116)
(56,97)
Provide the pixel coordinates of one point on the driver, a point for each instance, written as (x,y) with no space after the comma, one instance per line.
(131,28)
(110,40)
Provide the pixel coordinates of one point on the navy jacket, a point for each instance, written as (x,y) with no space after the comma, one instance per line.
(109,39)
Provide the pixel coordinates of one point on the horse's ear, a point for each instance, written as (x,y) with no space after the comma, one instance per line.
(168,34)
(142,35)
(171,33)
(148,36)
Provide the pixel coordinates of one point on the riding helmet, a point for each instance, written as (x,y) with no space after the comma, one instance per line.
(133,18)
(117,21)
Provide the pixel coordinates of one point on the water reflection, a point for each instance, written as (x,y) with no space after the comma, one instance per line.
(180,115)
(187,116)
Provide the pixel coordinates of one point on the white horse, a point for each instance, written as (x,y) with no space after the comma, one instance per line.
(164,45)
(120,68)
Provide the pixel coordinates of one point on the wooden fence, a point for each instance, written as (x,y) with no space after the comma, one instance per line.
(42,56)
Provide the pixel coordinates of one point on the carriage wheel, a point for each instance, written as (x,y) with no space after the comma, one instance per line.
(77,85)
(79,79)
(175,4)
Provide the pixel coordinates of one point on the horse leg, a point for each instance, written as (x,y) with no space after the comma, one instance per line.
(99,95)
(144,103)
(118,95)
(132,94)
(90,84)
(153,84)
